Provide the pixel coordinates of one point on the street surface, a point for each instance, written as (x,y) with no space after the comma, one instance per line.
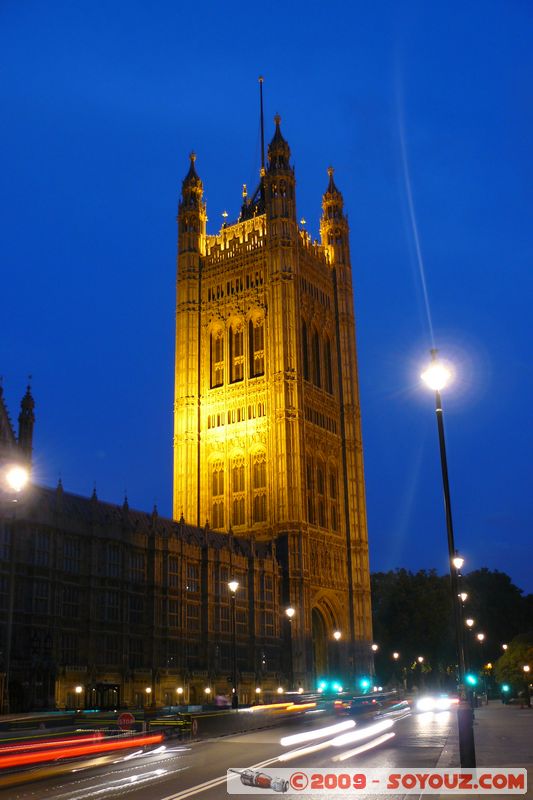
(198,769)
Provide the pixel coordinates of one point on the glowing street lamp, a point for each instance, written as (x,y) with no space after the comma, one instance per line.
(505,646)
(78,690)
(337,635)
(458,562)
(375,647)
(16,478)
(480,637)
(436,377)
(463,596)
(233,586)
(470,622)
(290,612)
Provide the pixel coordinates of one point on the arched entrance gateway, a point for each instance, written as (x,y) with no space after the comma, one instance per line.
(320,645)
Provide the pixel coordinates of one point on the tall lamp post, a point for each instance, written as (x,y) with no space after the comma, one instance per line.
(436,377)
(14,479)
(233,586)
(289,613)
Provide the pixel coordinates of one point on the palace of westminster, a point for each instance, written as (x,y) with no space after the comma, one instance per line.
(128,608)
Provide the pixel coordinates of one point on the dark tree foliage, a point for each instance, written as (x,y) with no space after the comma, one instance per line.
(412,615)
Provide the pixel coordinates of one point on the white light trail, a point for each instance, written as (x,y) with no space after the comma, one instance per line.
(319,733)
(364,747)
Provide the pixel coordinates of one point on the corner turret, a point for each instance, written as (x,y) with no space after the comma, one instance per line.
(334,231)
(26,423)
(280,202)
(192,213)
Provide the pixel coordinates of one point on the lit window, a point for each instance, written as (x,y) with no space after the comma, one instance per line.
(328,367)
(257,348)
(236,345)
(217,359)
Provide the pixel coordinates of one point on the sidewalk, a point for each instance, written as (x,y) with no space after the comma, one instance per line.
(503,738)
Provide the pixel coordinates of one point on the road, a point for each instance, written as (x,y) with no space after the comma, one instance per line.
(198,769)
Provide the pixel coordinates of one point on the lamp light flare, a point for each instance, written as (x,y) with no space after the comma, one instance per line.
(290,612)
(481,636)
(436,376)
(469,622)
(458,562)
(375,647)
(233,586)
(17,478)
(337,635)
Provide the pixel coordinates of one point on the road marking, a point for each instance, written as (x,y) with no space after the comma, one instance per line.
(203,787)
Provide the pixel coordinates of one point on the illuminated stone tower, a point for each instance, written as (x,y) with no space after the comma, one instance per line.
(267,438)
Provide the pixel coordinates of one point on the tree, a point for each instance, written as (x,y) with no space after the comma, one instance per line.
(509,668)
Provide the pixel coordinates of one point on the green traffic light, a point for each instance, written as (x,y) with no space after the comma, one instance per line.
(505,687)
(471,679)
(364,683)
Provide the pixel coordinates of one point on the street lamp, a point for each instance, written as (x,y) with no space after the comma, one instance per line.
(337,635)
(505,646)
(469,622)
(233,586)
(375,647)
(14,478)
(78,690)
(436,377)
(458,562)
(289,613)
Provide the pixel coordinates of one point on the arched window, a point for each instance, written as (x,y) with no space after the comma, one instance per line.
(321,495)
(315,347)
(328,376)
(237,491)
(310,493)
(236,353)
(305,351)
(334,500)
(217,359)
(217,494)
(259,487)
(257,348)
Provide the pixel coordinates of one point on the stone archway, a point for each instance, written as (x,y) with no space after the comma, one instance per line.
(320,645)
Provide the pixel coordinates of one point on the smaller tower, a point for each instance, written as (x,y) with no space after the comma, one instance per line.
(334,230)
(192,220)
(192,213)
(279,180)
(26,423)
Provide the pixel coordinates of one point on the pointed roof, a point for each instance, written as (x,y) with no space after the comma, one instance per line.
(332,189)
(278,150)
(192,178)
(27,404)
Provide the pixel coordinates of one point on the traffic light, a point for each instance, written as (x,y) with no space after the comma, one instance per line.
(505,687)
(364,684)
(471,679)
(505,693)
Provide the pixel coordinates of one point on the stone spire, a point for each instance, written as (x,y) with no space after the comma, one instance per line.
(26,423)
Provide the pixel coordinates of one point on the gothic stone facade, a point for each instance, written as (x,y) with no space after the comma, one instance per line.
(118,601)
(267,436)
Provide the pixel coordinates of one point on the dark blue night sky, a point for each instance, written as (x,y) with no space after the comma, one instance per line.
(101,105)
